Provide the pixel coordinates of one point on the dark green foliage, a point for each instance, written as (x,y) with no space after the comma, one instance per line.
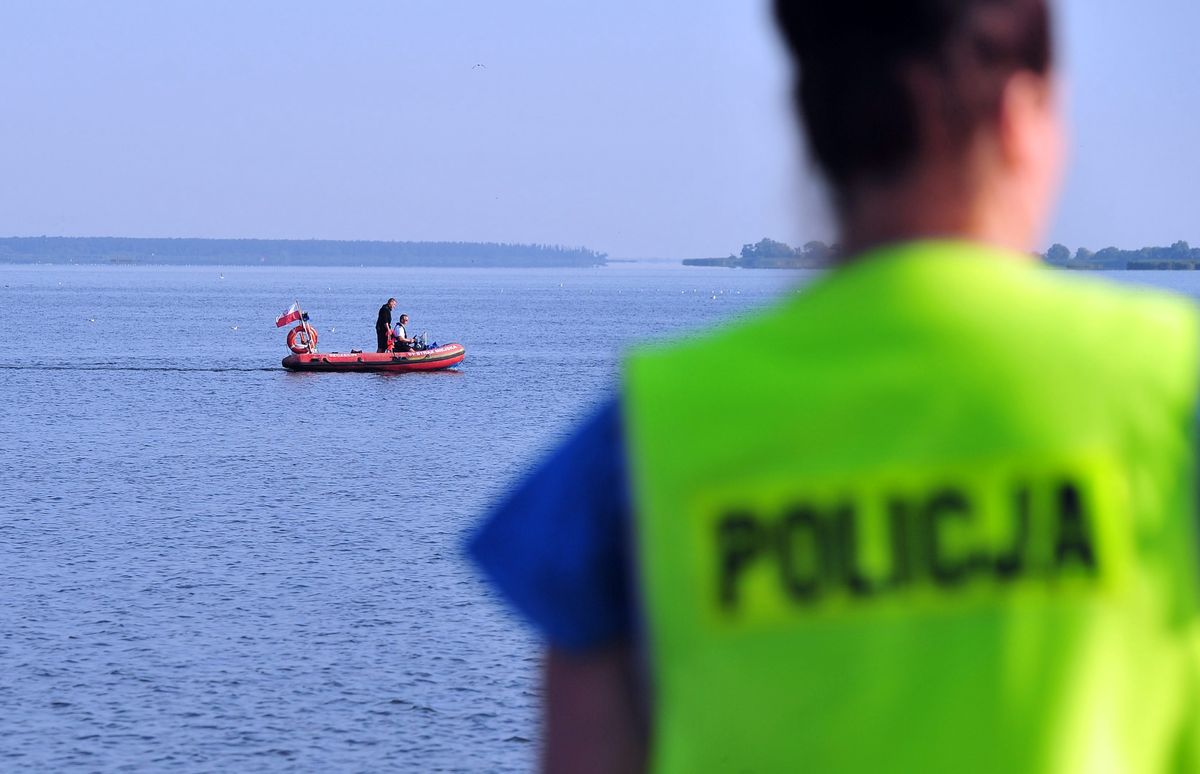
(1058,254)
(766,250)
(288,252)
(769,254)
(1178,256)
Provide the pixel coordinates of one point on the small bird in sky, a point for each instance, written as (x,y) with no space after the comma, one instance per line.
(479,67)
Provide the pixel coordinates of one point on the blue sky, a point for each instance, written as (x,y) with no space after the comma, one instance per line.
(645,128)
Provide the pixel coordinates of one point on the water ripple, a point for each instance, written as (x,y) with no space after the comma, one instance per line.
(211,564)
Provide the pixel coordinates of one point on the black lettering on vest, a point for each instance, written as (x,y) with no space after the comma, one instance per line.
(1011,562)
(900,521)
(803,553)
(741,539)
(944,506)
(811,554)
(1072,541)
(845,520)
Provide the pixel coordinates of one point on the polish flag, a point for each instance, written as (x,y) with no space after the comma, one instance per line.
(291,315)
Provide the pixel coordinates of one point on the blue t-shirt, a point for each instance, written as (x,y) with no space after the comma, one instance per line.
(558,546)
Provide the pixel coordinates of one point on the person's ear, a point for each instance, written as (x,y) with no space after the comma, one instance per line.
(1029,128)
(1032,150)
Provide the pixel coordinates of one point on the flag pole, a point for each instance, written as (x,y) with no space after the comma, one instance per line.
(312,348)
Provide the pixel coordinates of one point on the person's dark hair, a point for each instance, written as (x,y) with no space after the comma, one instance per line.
(391,300)
(857,64)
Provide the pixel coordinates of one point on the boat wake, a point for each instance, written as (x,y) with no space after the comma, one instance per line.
(105,367)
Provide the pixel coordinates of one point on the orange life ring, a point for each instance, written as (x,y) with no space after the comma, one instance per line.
(299,337)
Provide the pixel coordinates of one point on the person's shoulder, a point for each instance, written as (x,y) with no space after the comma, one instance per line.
(1097,297)
(738,341)
(555,546)
(1148,338)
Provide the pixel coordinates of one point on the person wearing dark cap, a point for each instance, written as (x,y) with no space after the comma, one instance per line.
(383,325)
(949,523)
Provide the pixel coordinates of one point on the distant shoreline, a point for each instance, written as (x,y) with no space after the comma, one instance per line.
(138,251)
(770,254)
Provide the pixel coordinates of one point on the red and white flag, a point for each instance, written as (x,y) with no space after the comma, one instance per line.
(291,315)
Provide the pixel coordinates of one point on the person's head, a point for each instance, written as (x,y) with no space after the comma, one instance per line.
(391,303)
(950,105)
(404,319)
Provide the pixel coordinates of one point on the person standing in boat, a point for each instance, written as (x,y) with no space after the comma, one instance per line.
(383,324)
(400,338)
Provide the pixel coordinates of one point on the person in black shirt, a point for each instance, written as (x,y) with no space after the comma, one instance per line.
(383,324)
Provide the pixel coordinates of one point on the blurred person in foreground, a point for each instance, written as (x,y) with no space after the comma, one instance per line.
(943,522)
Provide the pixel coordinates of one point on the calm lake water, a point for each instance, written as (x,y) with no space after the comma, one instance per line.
(211,564)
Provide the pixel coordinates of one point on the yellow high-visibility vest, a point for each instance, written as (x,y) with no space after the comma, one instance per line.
(934,513)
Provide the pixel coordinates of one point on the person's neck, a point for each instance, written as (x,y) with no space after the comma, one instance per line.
(931,208)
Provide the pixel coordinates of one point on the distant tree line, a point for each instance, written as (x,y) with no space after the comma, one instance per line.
(1180,255)
(289,252)
(770,254)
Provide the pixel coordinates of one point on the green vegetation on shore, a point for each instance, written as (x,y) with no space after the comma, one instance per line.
(769,254)
(1179,256)
(289,252)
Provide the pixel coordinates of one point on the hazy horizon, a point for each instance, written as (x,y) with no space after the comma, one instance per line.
(643,130)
